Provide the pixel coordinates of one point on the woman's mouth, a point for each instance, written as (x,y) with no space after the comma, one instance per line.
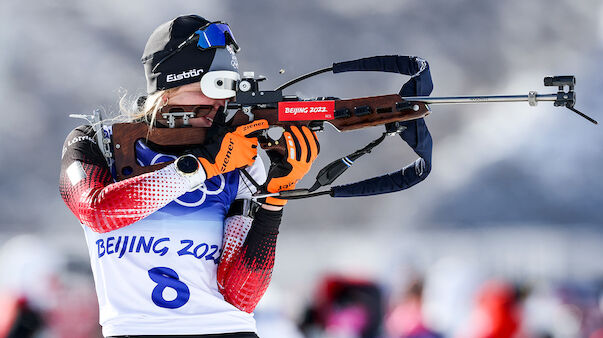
(203,121)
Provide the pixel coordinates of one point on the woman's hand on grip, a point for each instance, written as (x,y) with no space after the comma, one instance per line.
(285,171)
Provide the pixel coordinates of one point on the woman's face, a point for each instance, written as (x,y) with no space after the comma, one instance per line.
(191,94)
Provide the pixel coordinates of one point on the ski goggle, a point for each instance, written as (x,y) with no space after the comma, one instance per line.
(213,35)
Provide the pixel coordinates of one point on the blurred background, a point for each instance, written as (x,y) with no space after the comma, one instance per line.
(503,239)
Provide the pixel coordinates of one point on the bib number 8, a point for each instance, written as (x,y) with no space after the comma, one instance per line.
(168,278)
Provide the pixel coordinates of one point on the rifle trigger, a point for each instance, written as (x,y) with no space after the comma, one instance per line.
(274,133)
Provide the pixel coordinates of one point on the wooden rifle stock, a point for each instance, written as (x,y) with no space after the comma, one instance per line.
(350,114)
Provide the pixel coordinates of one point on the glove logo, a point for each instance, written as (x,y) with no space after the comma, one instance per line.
(288,185)
(227,156)
(252,125)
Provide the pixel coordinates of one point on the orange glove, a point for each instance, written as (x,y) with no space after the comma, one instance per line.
(224,152)
(286,171)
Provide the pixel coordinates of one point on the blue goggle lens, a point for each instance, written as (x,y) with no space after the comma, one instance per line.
(214,35)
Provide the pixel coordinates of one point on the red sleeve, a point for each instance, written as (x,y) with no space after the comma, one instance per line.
(247,260)
(88,189)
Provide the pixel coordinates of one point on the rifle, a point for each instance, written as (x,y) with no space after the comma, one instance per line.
(402,114)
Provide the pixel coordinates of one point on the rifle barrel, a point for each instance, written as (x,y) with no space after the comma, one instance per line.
(482,99)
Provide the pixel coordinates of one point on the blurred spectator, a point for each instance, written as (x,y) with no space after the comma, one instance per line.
(345,307)
(43,295)
(27,291)
(581,299)
(406,318)
(496,313)
(547,315)
(448,293)
(17,318)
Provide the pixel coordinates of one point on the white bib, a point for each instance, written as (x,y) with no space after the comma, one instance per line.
(158,275)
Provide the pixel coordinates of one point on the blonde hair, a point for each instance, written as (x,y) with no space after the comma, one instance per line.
(146,112)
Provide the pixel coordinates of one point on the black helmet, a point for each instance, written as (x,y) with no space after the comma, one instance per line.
(173,55)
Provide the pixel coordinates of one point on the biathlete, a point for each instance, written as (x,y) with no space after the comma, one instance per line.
(169,257)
